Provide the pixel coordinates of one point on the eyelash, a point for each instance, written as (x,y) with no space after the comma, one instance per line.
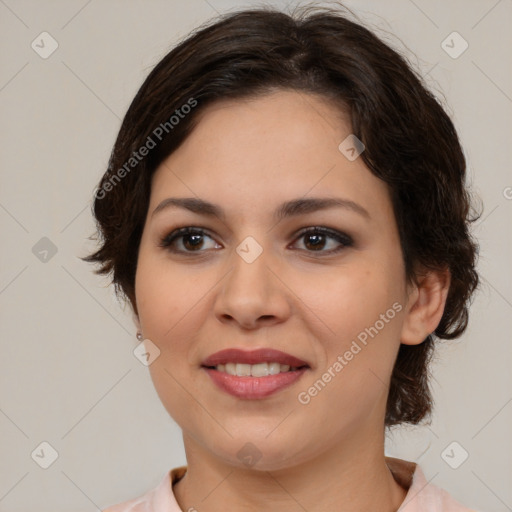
(342,238)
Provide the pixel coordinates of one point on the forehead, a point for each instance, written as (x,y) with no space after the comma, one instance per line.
(249,153)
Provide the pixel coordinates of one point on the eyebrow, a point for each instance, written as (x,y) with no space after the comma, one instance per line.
(291,208)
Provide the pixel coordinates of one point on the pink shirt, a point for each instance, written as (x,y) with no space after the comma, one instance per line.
(421,495)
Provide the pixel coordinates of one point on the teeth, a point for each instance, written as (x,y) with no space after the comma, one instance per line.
(243,370)
(254,370)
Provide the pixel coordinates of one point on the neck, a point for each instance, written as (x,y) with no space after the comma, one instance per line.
(351,476)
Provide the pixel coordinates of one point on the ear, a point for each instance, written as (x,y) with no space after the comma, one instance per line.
(425,305)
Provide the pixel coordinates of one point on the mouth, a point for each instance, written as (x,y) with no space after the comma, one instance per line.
(255,370)
(267,356)
(252,387)
(253,374)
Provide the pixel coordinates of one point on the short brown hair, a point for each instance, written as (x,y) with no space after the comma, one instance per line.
(411,144)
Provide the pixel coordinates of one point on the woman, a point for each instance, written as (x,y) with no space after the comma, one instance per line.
(285,211)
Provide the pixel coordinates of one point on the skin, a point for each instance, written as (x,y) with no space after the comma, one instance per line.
(249,156)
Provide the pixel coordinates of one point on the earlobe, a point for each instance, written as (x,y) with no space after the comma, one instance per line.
(425,307)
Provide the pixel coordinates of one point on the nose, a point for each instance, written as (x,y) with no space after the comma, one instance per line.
(252,294)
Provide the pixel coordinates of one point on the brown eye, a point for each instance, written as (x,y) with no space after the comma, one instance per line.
(192,240)
(316,239)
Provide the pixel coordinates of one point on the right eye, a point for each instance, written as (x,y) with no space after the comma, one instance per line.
(191,238)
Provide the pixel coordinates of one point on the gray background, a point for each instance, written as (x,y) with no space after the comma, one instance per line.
(68,375)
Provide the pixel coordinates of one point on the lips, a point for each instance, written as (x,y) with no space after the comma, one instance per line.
(233,355)
(254,388)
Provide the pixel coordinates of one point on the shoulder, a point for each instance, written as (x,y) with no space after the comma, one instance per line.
(143,503)
(422,495)
(159,499)
(428,496)
(139,504)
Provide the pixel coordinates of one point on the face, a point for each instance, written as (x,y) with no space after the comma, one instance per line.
(334,297)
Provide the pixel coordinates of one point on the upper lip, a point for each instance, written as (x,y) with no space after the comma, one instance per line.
(262,355)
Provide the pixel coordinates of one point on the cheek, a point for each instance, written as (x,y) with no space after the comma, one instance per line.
(167,300)
(166,294)
(172,304)
(354,298)
(362,311)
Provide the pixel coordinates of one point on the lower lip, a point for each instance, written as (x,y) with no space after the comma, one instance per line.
(253,388)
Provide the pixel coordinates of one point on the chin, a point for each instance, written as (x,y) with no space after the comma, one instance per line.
(261,454)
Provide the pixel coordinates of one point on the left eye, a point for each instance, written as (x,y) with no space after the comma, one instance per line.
(315,240)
